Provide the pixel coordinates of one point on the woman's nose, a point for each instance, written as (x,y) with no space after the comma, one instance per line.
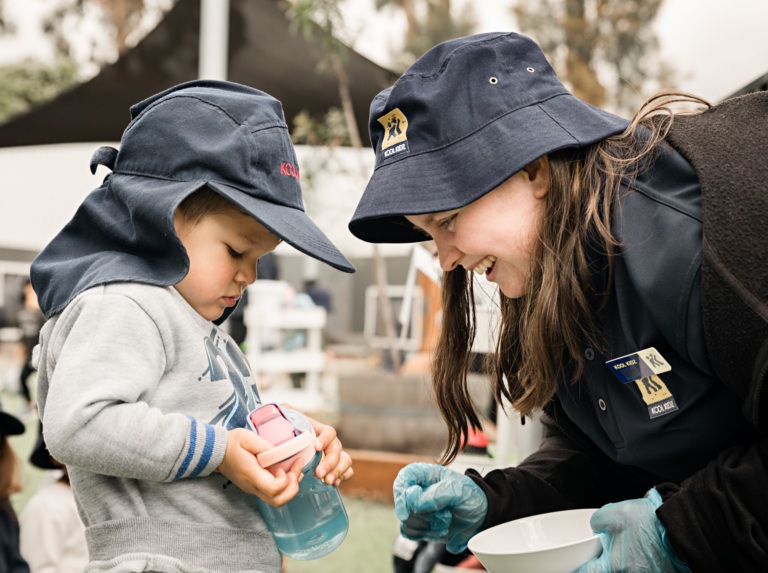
(448,254)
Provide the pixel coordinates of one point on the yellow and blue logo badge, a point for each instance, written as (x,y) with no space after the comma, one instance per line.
(656,396)
(643,368)
(395,139)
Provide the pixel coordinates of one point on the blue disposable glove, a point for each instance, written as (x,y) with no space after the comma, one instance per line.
(633,539)
(438,504)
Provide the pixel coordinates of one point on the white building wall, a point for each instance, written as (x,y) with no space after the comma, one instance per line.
(42,186)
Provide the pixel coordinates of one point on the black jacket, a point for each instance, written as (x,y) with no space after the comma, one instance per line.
(11,560)
(717,518)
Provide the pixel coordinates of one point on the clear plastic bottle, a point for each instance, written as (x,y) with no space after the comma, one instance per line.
(314,522)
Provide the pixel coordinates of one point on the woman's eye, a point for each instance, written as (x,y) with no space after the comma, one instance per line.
(234,254)
(448,223)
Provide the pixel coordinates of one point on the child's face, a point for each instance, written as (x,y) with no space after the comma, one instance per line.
(223,250)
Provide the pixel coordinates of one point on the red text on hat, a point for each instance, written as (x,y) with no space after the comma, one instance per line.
(289,170)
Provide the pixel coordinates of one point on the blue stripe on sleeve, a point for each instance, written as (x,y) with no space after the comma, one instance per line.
(190,451)
(205,457)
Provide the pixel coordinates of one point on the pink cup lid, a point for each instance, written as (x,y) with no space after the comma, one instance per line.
(289,449)
(270,423)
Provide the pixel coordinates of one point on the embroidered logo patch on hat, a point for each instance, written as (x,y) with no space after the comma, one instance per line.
(395,140)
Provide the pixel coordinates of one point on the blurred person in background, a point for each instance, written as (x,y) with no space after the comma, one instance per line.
(11,560)
(319,295)
(52,534)
(643,346)
(30,320)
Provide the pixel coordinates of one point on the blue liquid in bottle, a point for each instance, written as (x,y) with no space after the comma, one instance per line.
(313,523)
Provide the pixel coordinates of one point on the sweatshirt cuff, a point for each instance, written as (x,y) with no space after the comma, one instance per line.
(203,451)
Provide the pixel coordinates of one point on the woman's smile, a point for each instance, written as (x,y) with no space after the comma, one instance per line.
(485,265)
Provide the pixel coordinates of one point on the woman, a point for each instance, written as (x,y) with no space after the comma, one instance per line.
(11,560)
(643,346)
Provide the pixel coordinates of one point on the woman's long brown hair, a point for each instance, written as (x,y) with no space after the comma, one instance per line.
(550,325)
(9,470)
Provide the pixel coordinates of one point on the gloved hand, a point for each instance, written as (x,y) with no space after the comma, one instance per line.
(633,539)
(438,504)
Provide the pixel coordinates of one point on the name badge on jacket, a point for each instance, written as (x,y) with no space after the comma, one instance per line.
(643,368)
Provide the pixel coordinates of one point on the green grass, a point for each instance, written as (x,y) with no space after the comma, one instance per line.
(368,546)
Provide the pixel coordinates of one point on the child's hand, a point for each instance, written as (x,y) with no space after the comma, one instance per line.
(336,467)
(243,470)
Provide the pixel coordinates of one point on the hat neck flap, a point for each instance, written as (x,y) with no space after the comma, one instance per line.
(122,232)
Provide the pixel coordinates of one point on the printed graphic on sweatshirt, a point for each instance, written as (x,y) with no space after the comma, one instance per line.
(225,362)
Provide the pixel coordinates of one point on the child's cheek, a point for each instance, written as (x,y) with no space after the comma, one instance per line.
(220,276)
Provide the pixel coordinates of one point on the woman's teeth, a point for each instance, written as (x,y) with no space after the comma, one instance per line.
(485,264)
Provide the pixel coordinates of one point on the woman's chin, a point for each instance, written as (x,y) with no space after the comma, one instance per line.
(511,289)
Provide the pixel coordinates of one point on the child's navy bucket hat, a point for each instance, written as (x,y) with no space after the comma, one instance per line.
(465,117)
(222,135)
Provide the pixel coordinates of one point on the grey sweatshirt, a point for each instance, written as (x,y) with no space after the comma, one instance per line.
(137,391)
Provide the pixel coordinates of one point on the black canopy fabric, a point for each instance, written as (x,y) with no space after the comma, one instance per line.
(263,54)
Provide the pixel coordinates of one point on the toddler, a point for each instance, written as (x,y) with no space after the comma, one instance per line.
(142,395)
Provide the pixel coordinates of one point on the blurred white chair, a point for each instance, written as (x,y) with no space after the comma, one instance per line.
(265,317)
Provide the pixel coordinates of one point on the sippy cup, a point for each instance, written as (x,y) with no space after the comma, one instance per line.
(313,523)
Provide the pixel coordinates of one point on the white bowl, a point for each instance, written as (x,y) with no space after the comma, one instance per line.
(559,542)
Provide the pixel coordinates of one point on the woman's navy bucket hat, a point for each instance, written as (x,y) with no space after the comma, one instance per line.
(228,137)
(464,118)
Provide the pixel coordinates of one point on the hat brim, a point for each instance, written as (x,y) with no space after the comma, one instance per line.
(460,173)
(292,225)
(10,425)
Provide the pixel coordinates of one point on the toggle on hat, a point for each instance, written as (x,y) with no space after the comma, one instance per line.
(469,114)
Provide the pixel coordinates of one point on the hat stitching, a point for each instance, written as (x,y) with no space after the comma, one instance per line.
(273,126)
(411,156)
(558,123)
(153,176)
(455,52)
(427,174)
(309,239)
(174,96)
